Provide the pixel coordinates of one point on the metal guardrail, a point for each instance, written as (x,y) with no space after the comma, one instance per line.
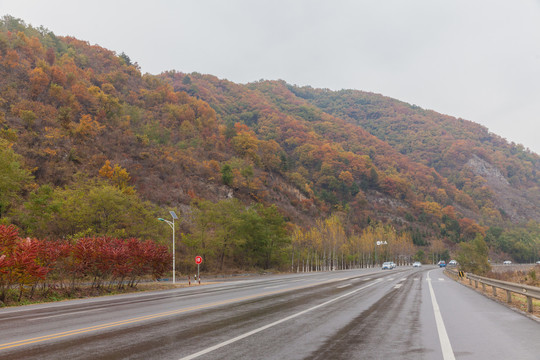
(528,291)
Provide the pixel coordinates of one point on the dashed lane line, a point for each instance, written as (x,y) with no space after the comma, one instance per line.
(153,316)
(252,332)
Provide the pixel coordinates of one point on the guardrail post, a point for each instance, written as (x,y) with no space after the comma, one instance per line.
(530,292)
(529,304)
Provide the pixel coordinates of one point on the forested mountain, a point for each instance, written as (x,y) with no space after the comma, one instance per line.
(260,172)
(458,149)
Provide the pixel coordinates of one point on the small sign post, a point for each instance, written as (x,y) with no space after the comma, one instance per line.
(198,261)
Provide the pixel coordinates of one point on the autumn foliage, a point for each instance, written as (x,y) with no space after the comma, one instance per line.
(327,246)
(94,150)
(29,264)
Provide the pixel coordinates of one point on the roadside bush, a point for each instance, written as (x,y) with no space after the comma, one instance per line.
(27,265)
(473,257)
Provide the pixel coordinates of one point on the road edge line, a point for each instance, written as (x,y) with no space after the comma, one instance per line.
(446,347)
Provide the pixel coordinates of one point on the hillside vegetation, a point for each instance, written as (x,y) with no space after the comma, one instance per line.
(263,175)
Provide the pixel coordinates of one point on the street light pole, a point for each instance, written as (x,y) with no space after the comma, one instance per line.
(171,224)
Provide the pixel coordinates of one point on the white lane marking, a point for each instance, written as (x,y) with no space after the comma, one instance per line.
(446,347)
(271,287)
(65,314)
(252,332)
(344,286)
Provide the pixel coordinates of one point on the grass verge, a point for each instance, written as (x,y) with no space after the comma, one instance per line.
(53,295)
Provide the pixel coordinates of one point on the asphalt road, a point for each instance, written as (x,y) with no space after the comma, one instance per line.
(404,313)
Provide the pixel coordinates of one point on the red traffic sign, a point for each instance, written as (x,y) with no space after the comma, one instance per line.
(198,260)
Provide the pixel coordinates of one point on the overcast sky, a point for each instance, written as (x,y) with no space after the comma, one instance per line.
(474,59)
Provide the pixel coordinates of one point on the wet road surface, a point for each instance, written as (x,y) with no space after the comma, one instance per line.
(356,314)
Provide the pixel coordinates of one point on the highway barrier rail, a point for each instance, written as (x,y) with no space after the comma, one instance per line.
(530,292)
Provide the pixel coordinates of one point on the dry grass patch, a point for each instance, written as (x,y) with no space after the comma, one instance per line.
(523,275)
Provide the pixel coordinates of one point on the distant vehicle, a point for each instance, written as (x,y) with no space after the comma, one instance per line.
(387,266)
(507,262)
(417,264)
(452,263)
(441,263)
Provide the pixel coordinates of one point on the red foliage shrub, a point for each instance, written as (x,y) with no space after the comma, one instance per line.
(100,260)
